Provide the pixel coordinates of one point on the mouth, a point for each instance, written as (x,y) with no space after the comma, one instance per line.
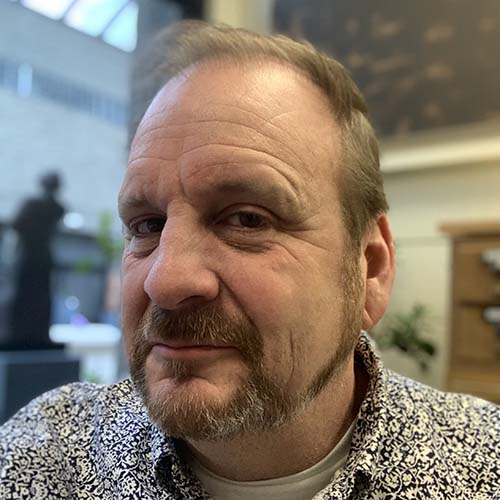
(184,344)
(186,351)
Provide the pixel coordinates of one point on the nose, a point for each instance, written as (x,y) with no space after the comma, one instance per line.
(180,276)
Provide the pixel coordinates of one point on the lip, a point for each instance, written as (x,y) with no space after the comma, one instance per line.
(182,351)
(181,344)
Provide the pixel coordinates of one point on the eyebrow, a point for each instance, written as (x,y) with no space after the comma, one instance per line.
(279,195)
(127,203)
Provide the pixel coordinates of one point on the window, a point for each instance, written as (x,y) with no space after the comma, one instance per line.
(114,21)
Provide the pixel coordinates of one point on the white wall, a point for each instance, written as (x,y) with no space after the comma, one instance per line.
(36,133)
(421,198)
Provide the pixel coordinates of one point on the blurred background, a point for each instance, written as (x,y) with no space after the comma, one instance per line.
(430,72)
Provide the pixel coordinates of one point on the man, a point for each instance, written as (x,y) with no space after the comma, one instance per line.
(257,250)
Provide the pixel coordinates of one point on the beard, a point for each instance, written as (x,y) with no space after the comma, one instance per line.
(259,399)
(261,402)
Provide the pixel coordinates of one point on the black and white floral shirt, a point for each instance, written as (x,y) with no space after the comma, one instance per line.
(86,441)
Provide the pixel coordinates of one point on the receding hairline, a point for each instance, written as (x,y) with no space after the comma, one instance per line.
(318,115)
(189,42)
(223,61)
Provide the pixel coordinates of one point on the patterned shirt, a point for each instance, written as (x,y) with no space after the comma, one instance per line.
(86,441)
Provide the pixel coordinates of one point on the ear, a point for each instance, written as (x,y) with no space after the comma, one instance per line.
(379,262)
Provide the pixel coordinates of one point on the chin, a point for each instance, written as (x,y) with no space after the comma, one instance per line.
(174,392)
(193,408)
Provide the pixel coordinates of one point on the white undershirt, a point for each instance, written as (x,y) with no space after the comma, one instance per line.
(301,486)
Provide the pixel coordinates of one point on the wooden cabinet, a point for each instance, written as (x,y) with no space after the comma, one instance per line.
(475,310)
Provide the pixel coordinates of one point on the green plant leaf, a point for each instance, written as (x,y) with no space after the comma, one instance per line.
(405,332)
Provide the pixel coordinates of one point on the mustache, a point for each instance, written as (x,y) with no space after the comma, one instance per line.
(206,325)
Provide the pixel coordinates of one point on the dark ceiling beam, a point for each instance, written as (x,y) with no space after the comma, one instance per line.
(192,9)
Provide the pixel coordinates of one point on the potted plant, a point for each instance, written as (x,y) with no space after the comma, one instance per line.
(405,331)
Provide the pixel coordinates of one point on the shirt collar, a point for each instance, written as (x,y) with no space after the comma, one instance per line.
(368,433)
(170,469)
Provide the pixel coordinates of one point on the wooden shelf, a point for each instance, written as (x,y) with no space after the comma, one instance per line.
(466,229)
(474,342)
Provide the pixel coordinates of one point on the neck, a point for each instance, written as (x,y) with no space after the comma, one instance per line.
(304,441)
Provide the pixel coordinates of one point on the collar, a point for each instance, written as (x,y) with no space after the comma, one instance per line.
(170,470)
(367,441)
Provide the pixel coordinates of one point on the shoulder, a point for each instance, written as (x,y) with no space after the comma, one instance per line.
(65,402)
(41,438)
(68,407)
(446,436)
(448,412)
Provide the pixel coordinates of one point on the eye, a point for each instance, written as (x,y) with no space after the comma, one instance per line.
(144,227)
(247,220)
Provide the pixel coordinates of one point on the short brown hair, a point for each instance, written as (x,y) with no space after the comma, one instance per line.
(189,42)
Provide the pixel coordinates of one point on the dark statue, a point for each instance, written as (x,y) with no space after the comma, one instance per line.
(30,312)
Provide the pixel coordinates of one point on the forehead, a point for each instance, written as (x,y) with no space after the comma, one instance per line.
(221,112)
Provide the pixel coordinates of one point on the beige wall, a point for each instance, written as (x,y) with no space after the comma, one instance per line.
(251,14)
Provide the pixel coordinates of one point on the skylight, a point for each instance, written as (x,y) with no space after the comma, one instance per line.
(114,21)
(118,33)
(53,9)
(92,16)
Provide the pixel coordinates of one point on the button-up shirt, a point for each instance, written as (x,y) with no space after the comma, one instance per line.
(87,441)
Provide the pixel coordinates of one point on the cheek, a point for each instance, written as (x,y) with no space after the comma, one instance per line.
(265,295)
(298,310)
(282,294)
(134,299)
(276,300)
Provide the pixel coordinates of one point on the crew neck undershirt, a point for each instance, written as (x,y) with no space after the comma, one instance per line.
(303,485)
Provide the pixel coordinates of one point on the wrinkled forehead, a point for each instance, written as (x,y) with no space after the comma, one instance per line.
(268,98)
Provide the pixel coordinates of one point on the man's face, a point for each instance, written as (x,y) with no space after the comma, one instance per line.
(239,301)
